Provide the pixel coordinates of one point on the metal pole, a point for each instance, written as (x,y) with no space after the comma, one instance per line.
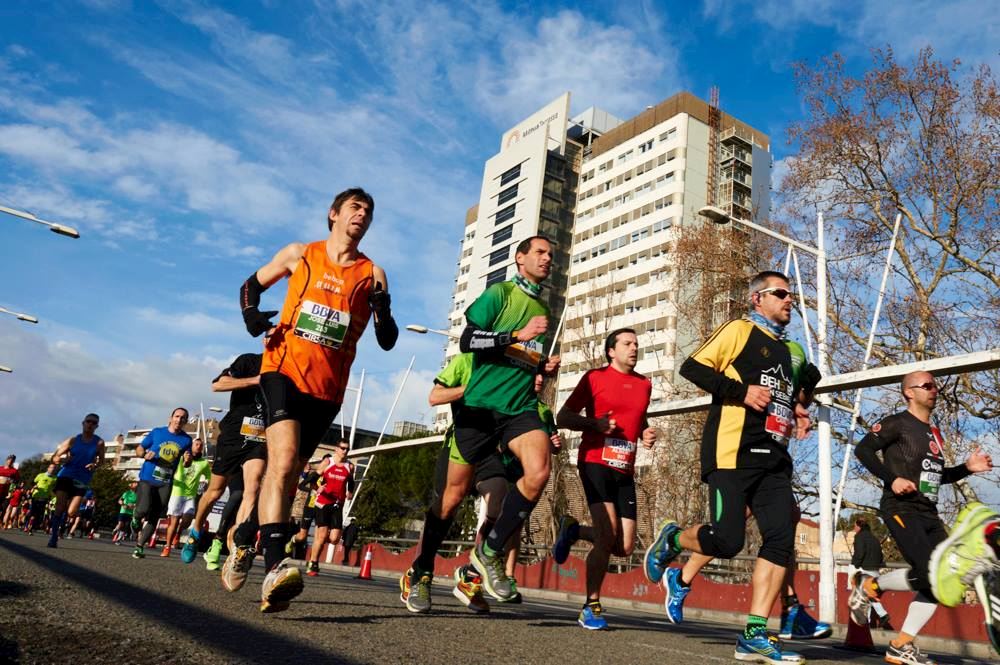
(555,338)
(868,354)
(399,391)
(827,571)
(802,308)
(788,261)
(357,408)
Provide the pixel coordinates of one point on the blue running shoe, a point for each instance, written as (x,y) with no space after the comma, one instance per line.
(661,552)
(796,624)
(676,593)
(569,533)
(190,549)
(590,617)
(764,648)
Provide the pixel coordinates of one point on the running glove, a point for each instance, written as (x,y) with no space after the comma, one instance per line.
(379,301)
(810,378)
(258,322)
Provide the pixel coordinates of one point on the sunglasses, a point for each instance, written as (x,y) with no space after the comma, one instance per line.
(779,292)
(343,450)
(930,385)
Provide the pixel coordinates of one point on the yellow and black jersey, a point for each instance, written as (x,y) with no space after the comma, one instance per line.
(738,354)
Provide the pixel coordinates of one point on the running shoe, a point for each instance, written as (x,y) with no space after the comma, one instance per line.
(590,617)
(212,555)
(515,595)
(676,593)
(312,568)
(281,584)
(237,567)
(908,654)
(569,533)
(660,552)
(491,569)
(418,599)
(469,590)
(860,601)
(764,648)
(404,585)
(796,624)
(190,550)
(165,552)
(963,556)
(138,552)
(988,590)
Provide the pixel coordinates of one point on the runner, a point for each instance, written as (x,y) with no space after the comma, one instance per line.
(79,455)
(13,507)
(227,519)
(869,560)
(505,331)
(8,476)
(333,290)
(912,469)
(615,399)
(240,448)
(163,448)
(192,470)
(126,502)
(41,493)
(759,385)
(338,487)
(304,507)
(85,516)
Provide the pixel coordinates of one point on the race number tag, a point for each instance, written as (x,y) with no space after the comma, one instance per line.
(779,422)
(162,474)
(618,453)
(524,354)
(930,483)
(252,430)
(322,325)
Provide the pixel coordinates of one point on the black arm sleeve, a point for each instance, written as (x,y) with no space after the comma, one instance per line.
(250,292)
(715,383)
(386,332)
(866,454)
(475,338)
(308,481)
(953,474)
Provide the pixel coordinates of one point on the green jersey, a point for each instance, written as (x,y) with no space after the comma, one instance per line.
(127,501)
(44,483)
(186,478)
(504,380)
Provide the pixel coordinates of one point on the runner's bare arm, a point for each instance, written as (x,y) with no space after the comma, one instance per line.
(444,395)
(226,383)
(282,265)
(386,330)
(98,455)
(61,450)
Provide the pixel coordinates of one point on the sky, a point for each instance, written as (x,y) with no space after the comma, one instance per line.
(188,142)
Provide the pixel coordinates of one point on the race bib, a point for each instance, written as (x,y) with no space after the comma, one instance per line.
(322,325)
(779,422)
(524,354)
(252,429)
(162,474)
(618,453)
(930,483)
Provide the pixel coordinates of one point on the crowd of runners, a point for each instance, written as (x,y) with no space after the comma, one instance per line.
(500,445)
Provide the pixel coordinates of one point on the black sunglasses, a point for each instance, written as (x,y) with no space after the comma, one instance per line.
(779,292)
(930,385)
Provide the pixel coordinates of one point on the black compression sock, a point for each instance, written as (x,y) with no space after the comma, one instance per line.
(246,533)
(513,512)
(272,539)
(434,533)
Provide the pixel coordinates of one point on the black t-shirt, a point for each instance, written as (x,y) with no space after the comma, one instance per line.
(911,449)
(245,421)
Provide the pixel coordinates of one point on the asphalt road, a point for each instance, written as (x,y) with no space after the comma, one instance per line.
(90,602)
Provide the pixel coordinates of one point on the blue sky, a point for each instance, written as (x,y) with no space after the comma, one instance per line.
(189,141)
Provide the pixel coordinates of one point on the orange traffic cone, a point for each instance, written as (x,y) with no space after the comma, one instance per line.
(858,638)
(366,565)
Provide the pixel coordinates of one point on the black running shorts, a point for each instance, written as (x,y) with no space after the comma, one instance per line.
(916,534)
(284,401)
(330,516)
(230,457)
(602,484)
(70,486)
(480,433)
(491,467)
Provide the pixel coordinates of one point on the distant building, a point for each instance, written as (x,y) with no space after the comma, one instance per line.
(406,428)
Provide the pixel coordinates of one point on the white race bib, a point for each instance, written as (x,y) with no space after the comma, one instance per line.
(252,429)
(322,325)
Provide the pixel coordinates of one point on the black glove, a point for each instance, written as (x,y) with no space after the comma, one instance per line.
(257,322)
(810,378)
(378,302)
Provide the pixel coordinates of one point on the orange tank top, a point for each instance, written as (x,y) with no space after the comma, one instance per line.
(325,312)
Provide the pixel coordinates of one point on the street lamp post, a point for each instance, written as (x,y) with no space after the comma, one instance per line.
(4,368)
(827,572)
(55,227)
(22,317)
(423,330)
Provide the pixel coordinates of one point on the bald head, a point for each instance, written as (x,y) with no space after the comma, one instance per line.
(919,390)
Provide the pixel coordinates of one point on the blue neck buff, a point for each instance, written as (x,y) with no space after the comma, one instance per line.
(767,324)
(529,287)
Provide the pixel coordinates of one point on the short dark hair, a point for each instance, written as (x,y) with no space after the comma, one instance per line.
(612,339)
(180,408)
(759,281)
(91,415)
(347,195)
(861,523)
(525,245)
(326,456)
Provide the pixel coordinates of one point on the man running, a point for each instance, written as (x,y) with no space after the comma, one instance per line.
(190,472)
(912,470)
(13,508)
(240,447)
(85,516)
(79,455)
(758,384)
(163,448)
(304,507)
(41,492)
(505,332)
(8,476)
(333,289)
(615,399)
(126,503)
(337,487)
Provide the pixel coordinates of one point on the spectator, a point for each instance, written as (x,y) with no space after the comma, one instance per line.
(868,559)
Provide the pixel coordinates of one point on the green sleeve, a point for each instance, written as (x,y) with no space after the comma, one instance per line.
(548,418)
(798,362)
(457,373)
(487,307)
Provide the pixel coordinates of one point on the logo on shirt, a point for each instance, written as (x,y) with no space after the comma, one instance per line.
(935,441)
(766,352)
(877,428)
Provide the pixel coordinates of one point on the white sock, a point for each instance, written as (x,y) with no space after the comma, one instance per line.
(895,580)
(919,614)
(879,610)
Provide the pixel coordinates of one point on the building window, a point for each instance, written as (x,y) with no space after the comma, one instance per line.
(498,275)
(503,234)
(648,145)
(499,255)
(510,175)
(507,195)
(505,214)
(802,539)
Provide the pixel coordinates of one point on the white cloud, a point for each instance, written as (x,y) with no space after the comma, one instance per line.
(185,323)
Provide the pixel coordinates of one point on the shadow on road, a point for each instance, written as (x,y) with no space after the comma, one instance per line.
(179,615)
